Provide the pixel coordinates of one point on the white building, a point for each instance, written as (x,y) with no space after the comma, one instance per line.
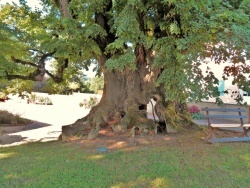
(217,69)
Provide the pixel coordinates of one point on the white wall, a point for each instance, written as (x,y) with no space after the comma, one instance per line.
(218,71)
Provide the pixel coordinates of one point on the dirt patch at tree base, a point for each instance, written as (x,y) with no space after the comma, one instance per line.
(109,140)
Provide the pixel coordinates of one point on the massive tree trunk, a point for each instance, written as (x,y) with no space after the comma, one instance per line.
(126,92)
(125,97)
(123,104)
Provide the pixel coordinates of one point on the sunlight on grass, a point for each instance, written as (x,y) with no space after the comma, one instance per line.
(118,145)
(59,164)
(95,157)
(11,176)
(128,149)
(6,155)
(160,182)
(142,182)
(246,158)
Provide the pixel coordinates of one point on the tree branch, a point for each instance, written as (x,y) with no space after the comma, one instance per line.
(59,77)
(56,79)
(35,50)
(102,20)
(38,74)
(22,77)
(23,62)
(63,7)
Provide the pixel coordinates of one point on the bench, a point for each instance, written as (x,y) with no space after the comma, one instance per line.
(220,119)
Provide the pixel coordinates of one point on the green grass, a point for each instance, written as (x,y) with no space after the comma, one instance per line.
(56,164)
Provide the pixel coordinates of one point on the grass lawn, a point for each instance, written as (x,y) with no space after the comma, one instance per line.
(66,164)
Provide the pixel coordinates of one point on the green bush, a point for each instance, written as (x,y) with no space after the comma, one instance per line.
(67,87)
(197,115)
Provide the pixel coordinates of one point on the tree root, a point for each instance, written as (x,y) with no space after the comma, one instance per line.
(144,126)
(132,118)
(70,130)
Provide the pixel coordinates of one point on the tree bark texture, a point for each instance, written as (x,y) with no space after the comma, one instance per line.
(126,92)
(123,104)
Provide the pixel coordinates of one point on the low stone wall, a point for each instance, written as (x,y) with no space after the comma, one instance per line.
(213,105)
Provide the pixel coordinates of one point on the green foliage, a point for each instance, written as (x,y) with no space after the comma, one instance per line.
(176,115)
(122,61)
(72,84)
(17,87)
(191,47)
(197,115)
(3,96)
(86,88)
(97,83)
(184,36)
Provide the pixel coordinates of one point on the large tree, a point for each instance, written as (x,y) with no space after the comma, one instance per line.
(144,48)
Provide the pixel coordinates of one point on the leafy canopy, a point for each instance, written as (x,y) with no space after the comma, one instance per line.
(183,35)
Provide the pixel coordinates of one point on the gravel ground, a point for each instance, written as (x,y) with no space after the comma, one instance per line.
(48,119)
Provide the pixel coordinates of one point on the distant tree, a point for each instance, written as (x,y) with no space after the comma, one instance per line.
(144,48)
(97,83)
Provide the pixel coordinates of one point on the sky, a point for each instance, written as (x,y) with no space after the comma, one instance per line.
(31,3)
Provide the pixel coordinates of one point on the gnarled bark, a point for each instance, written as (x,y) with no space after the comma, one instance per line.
(122,106)
(125,96)
(126,92)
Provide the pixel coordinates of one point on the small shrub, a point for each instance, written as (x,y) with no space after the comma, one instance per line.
(32,98)
(93,101)
(39,100)
(195,112)
(48,101)
(13,119)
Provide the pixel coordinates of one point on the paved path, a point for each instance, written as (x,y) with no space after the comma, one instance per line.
(48,120)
